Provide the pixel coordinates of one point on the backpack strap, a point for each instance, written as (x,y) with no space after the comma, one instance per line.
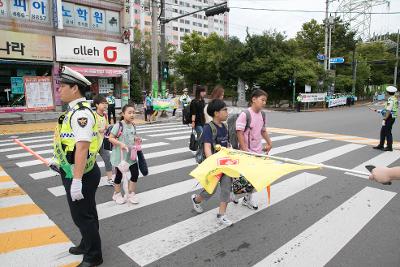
(248,119)
(214,133)
(263,116)
(120,129)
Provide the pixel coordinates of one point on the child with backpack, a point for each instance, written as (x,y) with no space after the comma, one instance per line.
(251,128)
(123,140)
(101,104)
(216,133)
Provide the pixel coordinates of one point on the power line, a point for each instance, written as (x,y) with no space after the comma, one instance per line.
(309,11)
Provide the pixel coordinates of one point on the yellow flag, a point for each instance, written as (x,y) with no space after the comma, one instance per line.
(259,171)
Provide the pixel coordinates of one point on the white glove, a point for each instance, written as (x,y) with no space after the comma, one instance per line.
(383,122)
(76,189)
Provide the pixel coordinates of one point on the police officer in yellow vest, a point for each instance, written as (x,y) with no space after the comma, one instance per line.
(389,116)
(76,144)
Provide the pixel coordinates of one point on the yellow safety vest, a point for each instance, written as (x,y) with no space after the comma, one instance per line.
(395,105)
(64,141)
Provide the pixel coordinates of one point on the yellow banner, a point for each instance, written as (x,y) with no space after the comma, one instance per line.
(259,171)
(18,45)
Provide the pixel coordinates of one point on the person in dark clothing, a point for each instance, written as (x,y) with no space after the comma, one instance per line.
(111,106)
(197,110)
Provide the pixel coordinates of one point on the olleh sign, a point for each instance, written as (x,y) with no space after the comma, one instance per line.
(90,51)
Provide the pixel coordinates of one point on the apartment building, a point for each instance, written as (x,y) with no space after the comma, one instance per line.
(176,30)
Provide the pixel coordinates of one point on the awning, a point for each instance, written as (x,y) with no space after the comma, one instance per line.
(26,62)
(98,71)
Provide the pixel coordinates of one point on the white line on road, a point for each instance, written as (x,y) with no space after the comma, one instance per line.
(29,163)
(318,244)
(164,129)
(295,146)
(179,138)
(384,159)
(8,185)
(110,208)
(332,153)
(168,134)
(25,223)
(154,246)
(59,190)
(29,142)
(33,137)
(20,148)
(157,125)
(27,154)
(49,255)
(15,201)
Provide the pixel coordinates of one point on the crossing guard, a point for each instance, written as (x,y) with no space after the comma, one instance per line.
(76,144)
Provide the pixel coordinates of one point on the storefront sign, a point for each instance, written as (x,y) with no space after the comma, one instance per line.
(17,85)
(90,51)
(112,21)
(39,10)
(86,17)
(82,15)
(17,45)
(98,18)
(317,97)
(19,9)
(98,71)
(3,8)
(337,102)
(38,93)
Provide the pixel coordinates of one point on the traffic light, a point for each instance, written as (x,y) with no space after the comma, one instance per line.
(220,9)
(165,70)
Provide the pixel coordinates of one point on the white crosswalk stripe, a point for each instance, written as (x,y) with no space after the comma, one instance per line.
(335,229)
(168,240)
(318,244)
(383,159)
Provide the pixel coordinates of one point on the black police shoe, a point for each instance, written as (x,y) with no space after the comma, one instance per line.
(378,147)
(90,264)
(388,149)
(76,251)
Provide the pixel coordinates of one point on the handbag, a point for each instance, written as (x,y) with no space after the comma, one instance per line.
(142,163)
(193,141)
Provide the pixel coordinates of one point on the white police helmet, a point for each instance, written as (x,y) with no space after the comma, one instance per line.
(391,89)
(68,75)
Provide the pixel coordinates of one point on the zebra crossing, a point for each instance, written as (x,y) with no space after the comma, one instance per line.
(173,234)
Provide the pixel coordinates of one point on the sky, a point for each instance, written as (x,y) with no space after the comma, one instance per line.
(290,23)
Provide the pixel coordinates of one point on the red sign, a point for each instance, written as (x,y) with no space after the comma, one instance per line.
(227,161)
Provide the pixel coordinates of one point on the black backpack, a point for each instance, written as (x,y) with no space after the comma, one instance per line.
(200,155)
(186,115)
(107,145)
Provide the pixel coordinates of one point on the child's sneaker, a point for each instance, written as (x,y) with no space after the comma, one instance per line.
(132,198)
(110,182)
(221,219)
(118,198)
(196,206)
(234,198)
(248,202)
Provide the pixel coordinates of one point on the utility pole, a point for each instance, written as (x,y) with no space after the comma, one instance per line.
(331,22)
(154,48)
(162,52)
(353,89)
(326,35)
(397,61)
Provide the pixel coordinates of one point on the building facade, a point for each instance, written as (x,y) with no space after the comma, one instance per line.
(176,30)
(42,36)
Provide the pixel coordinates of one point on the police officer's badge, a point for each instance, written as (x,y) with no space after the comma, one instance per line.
(82,122)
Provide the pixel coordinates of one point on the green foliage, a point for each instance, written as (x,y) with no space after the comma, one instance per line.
(270,60)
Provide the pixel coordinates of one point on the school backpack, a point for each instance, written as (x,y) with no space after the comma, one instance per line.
(107,145)
(232,126)
(200,155)
(186,116)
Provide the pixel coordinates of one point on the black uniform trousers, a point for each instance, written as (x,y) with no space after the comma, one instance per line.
(111,110)
(386,132)
(84,213)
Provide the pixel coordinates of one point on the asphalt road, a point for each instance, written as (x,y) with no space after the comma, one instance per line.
(316,217)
